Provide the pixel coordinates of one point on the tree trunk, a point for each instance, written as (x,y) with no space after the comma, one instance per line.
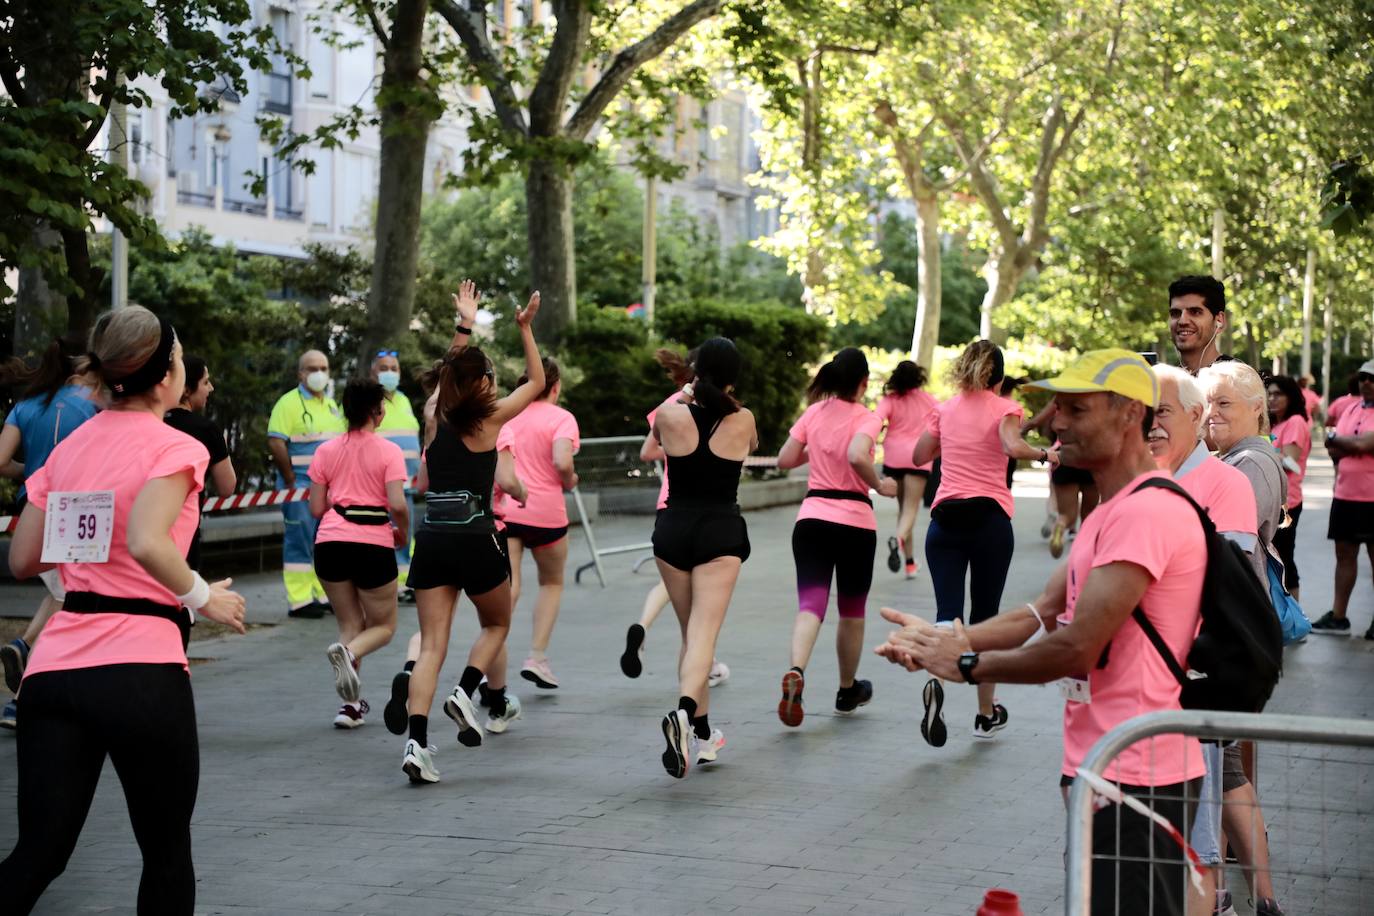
(406,115)
(1003,274)
(926,333)
(40,313)
(549,206)
(84,305)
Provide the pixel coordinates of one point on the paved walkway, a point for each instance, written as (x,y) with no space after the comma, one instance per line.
(570,811)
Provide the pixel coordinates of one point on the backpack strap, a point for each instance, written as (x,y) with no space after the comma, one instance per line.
(1160,646)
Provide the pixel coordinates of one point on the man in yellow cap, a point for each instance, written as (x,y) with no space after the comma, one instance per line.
(1141,548)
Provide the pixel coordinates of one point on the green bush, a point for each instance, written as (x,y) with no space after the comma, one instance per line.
(612,378)
(778,345)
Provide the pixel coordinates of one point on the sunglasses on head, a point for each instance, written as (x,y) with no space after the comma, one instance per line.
(381,353)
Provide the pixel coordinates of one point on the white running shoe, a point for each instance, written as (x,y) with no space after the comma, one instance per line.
(458,707)
(677,732)
(418,763)
(498,724)
(708,748)
(345,674)
(720,673)
(351,714)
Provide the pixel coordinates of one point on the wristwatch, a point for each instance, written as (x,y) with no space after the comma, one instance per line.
(967,662)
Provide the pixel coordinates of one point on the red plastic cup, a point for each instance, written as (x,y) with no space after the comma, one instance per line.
(999,902)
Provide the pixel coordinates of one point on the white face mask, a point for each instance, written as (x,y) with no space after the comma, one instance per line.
(316,381)
(389,380)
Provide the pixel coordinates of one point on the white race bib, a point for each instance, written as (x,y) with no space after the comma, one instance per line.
(1075,689)
(79,527)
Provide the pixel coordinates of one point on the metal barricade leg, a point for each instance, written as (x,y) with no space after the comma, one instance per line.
(591,541)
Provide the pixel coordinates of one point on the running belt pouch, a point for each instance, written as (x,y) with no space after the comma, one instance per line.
(93,603)
(840,494)
(364,515)
(460,507)
(1237,657)
(961,514)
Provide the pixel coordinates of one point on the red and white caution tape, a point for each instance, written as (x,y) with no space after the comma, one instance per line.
(253,500)
(1112,793)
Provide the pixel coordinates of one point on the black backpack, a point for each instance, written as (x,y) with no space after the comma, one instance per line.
(1237,658)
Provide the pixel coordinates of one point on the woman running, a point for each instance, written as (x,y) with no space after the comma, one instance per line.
(836,533)
(456,547)
(905,408)
(700,539)
(56,398)
(189,417)
(357,491)
(543,440)
(123,510)
(970,536)
(1293,438)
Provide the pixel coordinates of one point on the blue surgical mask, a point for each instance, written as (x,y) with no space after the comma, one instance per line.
(389,379)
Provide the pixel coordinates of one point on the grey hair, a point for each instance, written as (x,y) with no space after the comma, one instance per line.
(1189,391)
(1247,383)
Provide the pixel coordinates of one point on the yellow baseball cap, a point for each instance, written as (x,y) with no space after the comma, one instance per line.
(1118,371)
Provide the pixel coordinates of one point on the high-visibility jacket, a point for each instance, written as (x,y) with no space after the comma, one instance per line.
(304,421)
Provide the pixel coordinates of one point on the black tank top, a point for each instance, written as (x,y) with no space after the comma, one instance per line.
(453,466)
(703,477)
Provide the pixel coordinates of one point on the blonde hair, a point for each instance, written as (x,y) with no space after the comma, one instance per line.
(1189,391)
(123,341)
(1246,381)
(972,371)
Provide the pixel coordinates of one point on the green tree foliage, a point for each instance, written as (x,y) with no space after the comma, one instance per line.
(616,381)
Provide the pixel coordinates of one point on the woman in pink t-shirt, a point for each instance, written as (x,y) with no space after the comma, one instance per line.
(357,491)
(836,534)
(1291,429)
(969,535)
(122,630)
(905,409)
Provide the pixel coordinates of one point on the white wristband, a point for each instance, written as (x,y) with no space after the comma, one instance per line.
(1039,625)
(198,596)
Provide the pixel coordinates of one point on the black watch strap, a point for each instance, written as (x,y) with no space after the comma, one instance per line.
(967,662)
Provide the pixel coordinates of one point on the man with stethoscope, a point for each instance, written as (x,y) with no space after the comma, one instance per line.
(399,425)
(302,419)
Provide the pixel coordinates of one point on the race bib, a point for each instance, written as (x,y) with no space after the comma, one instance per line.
(1075,689)
(78,527)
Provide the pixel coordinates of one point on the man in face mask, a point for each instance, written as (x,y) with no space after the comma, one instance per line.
(302,419)
(400,426)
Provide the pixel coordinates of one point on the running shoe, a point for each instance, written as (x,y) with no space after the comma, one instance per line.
(987,726)
(351,714)
(395,714)
(538,671)
(933,722)
(311,611)
(498,724)
(860,693)
(1329,624)
(345,672)
(912,567)
(458,707)
(1268,906)
(1046,528)
(708,748)
(894,559)
(1224,906)
(14,655)
(406,596)
(9,718)
(790,707)
(632,662)
(1057,540)
(677,732)
(720,673)
(418,763)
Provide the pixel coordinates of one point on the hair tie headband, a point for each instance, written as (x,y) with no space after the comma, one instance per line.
(153,370)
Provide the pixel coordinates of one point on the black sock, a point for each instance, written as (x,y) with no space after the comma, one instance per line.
(408,666)
(701,727)
(689,706)
(470,679)
(496,701)
(798,670)
(419,730)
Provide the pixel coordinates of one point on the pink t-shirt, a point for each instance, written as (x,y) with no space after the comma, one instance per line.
(1295,431)
(1313,401)
(1354,475)
(121,451)
(530,436)
(1338,406)
(1225,493)
(972,462)
(356,468)
(826,428)
(1159,532)
(663,486)
(907,416)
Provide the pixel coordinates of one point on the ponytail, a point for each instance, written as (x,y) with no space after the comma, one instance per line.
(679,369)
(839,378)
(717,367)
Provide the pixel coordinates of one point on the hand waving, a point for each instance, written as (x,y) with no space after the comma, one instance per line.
(526,315)
(465,302)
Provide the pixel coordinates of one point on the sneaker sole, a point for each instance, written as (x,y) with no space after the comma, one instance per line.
(417,773)
(631,665)
(894,558)
(933,722)
(1325,632)
(790,707)
(395,715)
(348,724)
(14,667)
(675,757)
(346,681)
(469,732)
(533,677)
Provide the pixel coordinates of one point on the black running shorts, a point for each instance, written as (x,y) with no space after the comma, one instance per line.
(1351,521)
(474,563)
(899,473)
(533,538)
(367,566)
(687,538)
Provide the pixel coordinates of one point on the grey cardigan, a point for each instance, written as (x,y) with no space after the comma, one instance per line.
(1259,461)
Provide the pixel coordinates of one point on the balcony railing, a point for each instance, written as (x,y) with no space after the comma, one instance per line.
(195,198)
(277,97)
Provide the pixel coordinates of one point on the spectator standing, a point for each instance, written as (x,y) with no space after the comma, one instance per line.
(1291,428)
(1338,406)
(1352,508)
(1197,316)
(400,426)
(1310,399)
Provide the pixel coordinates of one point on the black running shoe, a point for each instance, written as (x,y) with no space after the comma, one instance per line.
(848,699)
(631,663)
(677,732)
(933,722)
(987,726)
(1329,624)
(394,713)
(894,556)
(311,611)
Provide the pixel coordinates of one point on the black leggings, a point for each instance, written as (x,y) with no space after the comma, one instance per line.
(1284,542)
(968,536)
(67,729)
(824,549)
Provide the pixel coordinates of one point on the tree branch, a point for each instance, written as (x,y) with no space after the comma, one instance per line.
(9,74)
(550,95)
(472,32)
(96,123)
(910,151)
(631,58)
(983,183)
(377,28)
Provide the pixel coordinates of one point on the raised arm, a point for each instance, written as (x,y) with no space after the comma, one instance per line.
(465,303)
(523,396)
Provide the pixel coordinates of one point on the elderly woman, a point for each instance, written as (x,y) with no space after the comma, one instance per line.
(1237,424)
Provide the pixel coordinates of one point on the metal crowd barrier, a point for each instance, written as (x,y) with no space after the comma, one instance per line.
(1316,799)
(626,488)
